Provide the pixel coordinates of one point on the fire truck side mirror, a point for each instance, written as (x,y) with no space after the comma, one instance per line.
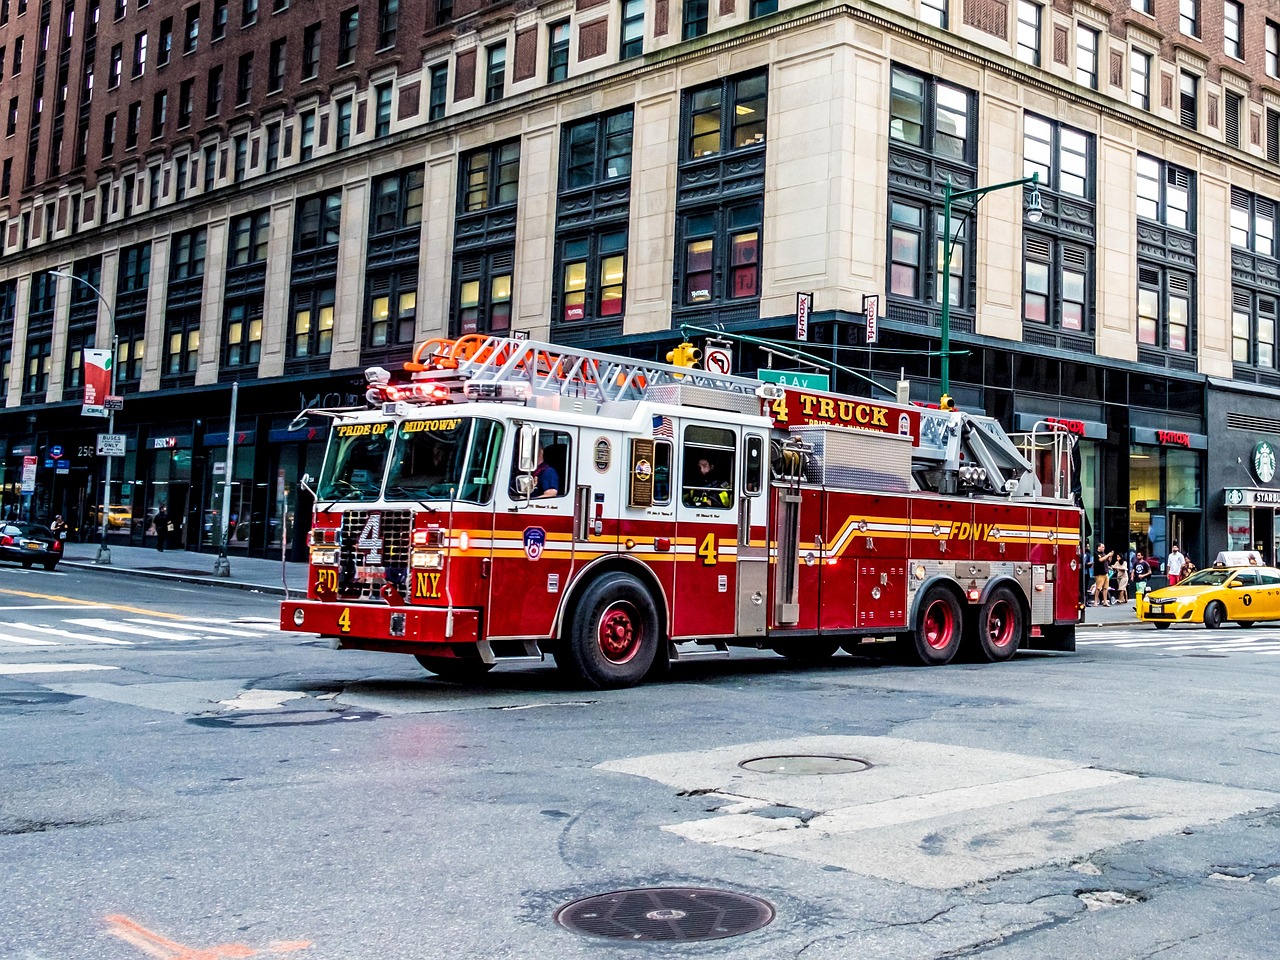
(524,485)
(526,456)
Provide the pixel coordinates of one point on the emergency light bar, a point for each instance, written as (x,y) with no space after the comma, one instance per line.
(516,390)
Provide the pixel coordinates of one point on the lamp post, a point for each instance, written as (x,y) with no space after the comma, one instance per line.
(1035,212)
(104,551)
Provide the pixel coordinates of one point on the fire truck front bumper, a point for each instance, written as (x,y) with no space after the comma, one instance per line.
(366,626)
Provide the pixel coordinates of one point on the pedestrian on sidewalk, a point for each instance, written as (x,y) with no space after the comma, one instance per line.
(1174,565)
(162,527)
(1101,575)
(1141,571)
(1121,569)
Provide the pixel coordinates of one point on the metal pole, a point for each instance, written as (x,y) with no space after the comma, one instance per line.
(222,566)
(944,321)
(104,551)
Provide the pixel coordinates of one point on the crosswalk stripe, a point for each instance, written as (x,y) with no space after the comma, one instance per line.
(133,630)
(201,628)
(70,635)
(13,669)
(29,641)
(269,626)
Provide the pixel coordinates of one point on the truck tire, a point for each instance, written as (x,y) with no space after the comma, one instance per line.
(613,634)
(999,627)
(806,651)
(455,668)
(938,630)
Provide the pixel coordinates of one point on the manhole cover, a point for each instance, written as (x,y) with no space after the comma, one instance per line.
(804,765)
(665,913)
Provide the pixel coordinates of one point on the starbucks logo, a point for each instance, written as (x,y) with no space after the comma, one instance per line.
(1264,461)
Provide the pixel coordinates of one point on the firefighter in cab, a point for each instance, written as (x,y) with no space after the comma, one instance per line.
(707,487)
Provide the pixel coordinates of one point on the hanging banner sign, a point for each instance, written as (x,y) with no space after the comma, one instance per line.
(871,308)
(97,382)
(804,307)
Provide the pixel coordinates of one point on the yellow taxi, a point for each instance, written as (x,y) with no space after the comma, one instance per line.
(1215,595)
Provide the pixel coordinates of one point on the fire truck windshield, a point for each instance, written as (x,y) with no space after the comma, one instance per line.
(443,458)
(355,461)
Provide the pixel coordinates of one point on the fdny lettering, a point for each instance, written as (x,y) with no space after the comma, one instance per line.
(417,426)
(1172,438)
(972,531)
(428,586)
(796,407)
(362,429)
(326,580)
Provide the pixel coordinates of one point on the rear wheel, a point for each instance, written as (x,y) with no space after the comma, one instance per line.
(1214,614)
(50,564)
(26,564)
(613,635)
(807,651)
(455,668)
(936,637)
(1000,627)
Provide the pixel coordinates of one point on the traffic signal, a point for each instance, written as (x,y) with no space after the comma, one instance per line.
(684,355)
(946,403)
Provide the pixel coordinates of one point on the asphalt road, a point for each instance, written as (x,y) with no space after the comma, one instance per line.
(180,780)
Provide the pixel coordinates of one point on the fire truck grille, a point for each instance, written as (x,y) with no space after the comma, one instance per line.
(374,550)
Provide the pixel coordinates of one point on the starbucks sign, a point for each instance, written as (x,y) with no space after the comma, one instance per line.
(1264,461)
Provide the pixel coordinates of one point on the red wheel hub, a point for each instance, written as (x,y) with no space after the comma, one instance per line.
(619,634)
(939,625)
(1000,624)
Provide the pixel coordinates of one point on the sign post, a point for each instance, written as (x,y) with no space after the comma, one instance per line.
(222,565)
(804,308)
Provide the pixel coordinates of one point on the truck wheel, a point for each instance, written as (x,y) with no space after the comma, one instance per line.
(1000,627)
(807,651)
(455,668)
(1214,614)
(936,637)
(613,635)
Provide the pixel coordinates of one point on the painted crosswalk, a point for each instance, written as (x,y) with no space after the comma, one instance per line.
(1189,642)
(130,631)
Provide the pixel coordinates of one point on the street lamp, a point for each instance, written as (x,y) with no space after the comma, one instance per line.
(1034,214)
(104,551)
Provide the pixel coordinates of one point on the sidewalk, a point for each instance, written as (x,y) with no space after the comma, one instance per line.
(181,566)
(266,576)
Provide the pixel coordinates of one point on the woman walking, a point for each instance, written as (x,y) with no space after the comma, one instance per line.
(1121,569)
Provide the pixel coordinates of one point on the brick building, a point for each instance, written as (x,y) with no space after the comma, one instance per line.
(280,193)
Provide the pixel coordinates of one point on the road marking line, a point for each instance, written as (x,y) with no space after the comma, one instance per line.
(91,603)
(54,631)
(13,669)
(156,945)
(201,627)
(56,606)
(29,641)
(136,631)
(265,625)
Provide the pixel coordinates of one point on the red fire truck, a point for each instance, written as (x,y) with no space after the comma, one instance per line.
(503,499)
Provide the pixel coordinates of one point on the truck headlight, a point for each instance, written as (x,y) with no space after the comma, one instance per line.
(324,558)
(427,559)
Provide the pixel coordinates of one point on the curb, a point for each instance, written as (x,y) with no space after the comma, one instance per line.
(273,590)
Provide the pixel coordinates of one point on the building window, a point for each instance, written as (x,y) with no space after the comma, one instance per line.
(1232,109)
(490,177)
(1086,57)
(1029,32)
(114,71)
(186,102)
(397,201)
(307,135)
(597,150)
(1144,6)
(181,176)
(388,22)
(720,257)
(108,135)
(159,113)
(312,322)
(1232,39)
(139,54)
(182,352)
(248,12)
(276,66)
(133,124)
(191,33)
(762,8)
(244,79)
(209,160)
(1189,100)
(243,334)
(248,243)
(219,19)
(632,39)
(593,273)
(495,73)
(695,19)
(382,110)
(213,94)
(319,221)
(934,12)
(931,115)
(39,362)
(1056,283)
(1140,78)
(1253,328)
(393,309)
(311,52)
(1189,17)
(557,51)
(240,166)
(165,47)
(348,35)
(727,115)
(1253,223)
(135,269)
(1061,155)
(1164,193)
(1273,49)
(273,147)
(439,91)
(343,135)
(1165,308)
(483,293)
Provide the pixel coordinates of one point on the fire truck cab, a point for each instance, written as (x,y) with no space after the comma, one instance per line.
(502,500)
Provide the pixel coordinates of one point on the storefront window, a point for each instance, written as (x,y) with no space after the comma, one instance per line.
(1164,495)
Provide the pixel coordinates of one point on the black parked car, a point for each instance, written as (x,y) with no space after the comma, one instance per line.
(29,543)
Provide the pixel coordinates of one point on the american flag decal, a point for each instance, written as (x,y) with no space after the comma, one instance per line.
(662,429)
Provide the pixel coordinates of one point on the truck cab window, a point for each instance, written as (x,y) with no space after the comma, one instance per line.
(551,475)
(661,472)
(708,467)
(445,458)
(355,462)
